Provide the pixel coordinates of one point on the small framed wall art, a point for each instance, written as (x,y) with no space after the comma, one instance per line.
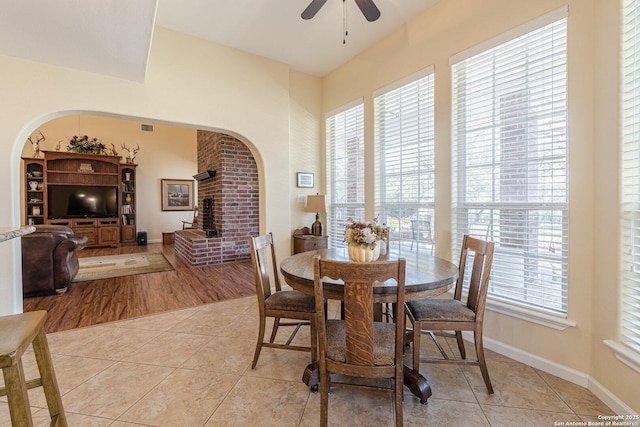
(305,179)
(177,195)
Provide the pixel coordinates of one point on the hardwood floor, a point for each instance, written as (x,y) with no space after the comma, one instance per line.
(106,300)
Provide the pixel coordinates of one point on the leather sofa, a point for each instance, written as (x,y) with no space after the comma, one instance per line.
(49,259)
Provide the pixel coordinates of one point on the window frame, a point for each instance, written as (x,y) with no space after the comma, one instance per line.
(627,349)
(498,299)
(409,133)
(338,211)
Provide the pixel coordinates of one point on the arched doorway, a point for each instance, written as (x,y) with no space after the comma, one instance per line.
(173,155)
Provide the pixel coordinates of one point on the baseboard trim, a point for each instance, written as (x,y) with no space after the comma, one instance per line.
(561,371)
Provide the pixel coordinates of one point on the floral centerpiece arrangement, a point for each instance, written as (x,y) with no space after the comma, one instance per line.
(84,144)
(363,239)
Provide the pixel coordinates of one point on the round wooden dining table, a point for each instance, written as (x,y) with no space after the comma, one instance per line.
(425,276)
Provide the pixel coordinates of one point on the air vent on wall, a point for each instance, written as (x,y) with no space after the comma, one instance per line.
(146,128)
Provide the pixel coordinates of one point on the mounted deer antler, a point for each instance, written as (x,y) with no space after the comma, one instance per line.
(132,152)
(36,145)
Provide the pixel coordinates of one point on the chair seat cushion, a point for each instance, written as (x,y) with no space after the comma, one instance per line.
(383,346)
(291,301)
(440,310)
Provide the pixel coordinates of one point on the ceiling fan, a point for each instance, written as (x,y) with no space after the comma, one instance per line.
(368,8)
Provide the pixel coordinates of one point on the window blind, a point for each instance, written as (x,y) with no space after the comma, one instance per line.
(630,179)
(510,162)
(345,146)
(404,140)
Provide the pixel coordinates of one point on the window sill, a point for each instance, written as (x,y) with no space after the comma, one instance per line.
(624,354)
(540,318)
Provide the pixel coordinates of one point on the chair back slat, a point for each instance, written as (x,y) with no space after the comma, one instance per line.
(264,265)
(462,268)
(358,316)
(480,271)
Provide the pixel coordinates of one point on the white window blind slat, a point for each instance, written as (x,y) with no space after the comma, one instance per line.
(345,189)
(510,160)
(404,141)
(630,178)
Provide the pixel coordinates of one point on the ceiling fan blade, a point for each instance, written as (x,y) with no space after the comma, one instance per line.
(312,9)
(369,9)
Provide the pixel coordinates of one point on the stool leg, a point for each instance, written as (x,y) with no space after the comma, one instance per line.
(16,388)
(48,377)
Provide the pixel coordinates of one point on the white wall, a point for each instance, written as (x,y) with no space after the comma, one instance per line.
(452,26)
(189,82)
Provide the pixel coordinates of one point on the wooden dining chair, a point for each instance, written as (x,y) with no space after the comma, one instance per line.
(194,222)
(421,231)
(358,346)
(278,304)
(453,314)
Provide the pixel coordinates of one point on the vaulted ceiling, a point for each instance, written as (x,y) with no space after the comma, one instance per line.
(114,37)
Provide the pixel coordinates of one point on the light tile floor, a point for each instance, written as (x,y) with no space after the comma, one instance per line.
(191,367)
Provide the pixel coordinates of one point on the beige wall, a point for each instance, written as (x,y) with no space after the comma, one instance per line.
(305,106)
(190,83)
(452,26)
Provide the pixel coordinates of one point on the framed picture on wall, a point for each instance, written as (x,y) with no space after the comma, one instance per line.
(305,179)
(177,195)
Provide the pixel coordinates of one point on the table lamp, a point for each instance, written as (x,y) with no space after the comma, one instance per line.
(316,204)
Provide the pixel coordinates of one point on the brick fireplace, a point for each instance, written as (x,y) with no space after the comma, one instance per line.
(234,194)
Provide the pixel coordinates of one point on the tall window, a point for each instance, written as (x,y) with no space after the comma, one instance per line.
(345,146)
(630,180)
(404,138)
(510,159)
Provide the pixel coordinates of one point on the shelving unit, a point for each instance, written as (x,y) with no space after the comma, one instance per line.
(128,198)
(36,208)
(64,168)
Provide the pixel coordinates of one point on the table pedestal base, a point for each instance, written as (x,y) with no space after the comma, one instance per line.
(414,381)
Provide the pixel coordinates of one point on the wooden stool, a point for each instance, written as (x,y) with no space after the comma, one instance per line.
(17,332)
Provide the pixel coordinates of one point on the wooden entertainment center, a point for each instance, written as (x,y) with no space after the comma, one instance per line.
(84,171)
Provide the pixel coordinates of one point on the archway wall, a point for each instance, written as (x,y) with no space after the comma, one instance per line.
(189,82)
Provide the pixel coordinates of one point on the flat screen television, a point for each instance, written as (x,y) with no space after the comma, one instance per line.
(82,201)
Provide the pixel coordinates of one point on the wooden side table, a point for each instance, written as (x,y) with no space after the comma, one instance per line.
(304,241)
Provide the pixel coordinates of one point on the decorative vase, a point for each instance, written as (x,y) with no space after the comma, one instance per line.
(128,198)
(364,253)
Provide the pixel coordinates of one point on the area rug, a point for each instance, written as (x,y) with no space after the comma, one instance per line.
(104,267)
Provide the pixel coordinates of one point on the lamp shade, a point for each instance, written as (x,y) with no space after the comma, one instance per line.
(315,204)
